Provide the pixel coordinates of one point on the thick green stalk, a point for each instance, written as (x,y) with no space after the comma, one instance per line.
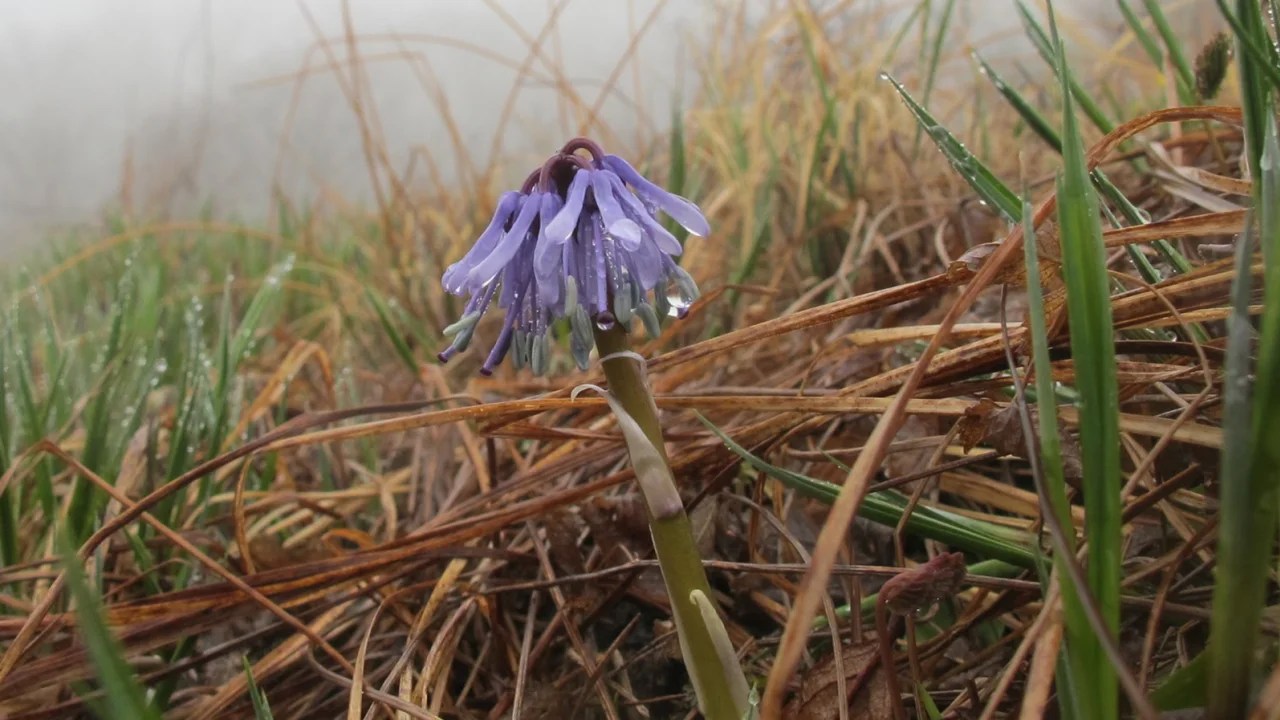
(718,683)
(1250,479)
(627,383)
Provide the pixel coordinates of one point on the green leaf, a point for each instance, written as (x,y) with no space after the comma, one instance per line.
(125,697)
(393,334)
(981,179)
(887,508)
(1184,77)
(1144,38)
(1185,687)
(1046,47)
(1093,354)
(1250,468)
(261,708)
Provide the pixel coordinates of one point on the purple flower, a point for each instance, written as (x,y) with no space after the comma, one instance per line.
(581,240)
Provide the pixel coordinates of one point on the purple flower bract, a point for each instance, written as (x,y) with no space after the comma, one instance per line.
(581,240)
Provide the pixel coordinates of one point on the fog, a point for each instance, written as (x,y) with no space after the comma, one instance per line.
(161,106)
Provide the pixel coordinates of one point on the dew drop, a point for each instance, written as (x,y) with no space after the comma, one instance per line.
(677,304)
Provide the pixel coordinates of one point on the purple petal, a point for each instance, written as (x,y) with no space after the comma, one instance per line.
(678,208)
(583,263)
(599,274)
(506,248)
(616,222)
(667,242)
(565,221)
(499,350)
(547,250)
(570,260)
(646,264)
(455,277)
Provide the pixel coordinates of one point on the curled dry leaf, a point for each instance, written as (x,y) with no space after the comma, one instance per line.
(999,428)
(1013,273)
(910,462)
(870,695)
(922,586)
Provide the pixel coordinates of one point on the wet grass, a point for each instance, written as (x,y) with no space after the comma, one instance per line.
(234,482)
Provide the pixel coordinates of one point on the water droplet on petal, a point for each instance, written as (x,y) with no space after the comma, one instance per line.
(675,303)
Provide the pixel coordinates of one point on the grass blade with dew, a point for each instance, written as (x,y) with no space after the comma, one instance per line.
(677,170)
(677,173)
(1081,642)
(8,497)
(1045,46)
(1038,123)
(1183,76)
(255,315)
(1251,475)
(1144,37)
(979,177)
(1237,588)
(393,335)
(125,696)
(1262,54)
(887,508)
(933,49)
(261,708)
(825,134)
(1093,355)
(1134,215)
(224,366)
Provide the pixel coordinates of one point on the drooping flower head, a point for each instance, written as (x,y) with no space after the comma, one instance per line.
(581,240)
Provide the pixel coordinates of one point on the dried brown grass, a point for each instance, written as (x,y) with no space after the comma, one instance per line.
(493,559)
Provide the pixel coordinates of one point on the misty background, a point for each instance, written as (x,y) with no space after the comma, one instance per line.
(165,107)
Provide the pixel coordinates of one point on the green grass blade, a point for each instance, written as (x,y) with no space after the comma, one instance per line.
(125,696)
(1045,130)
(828,129)
(255,314)
(982,568)
(887,508)
(1145,39)
(679,167)
(1254,89)
(934,56)
(981,179)
(8,498)
(261,708)
(1040,39)
(1081,642)
(389,327)
(1182,69)
(1238,584)
(224,367)
(1250,473)
(1185,687)
(1093,354)
(1038,123)
(1258,57)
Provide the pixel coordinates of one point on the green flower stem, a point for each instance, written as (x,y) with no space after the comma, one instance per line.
(628,385)
(717,682)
